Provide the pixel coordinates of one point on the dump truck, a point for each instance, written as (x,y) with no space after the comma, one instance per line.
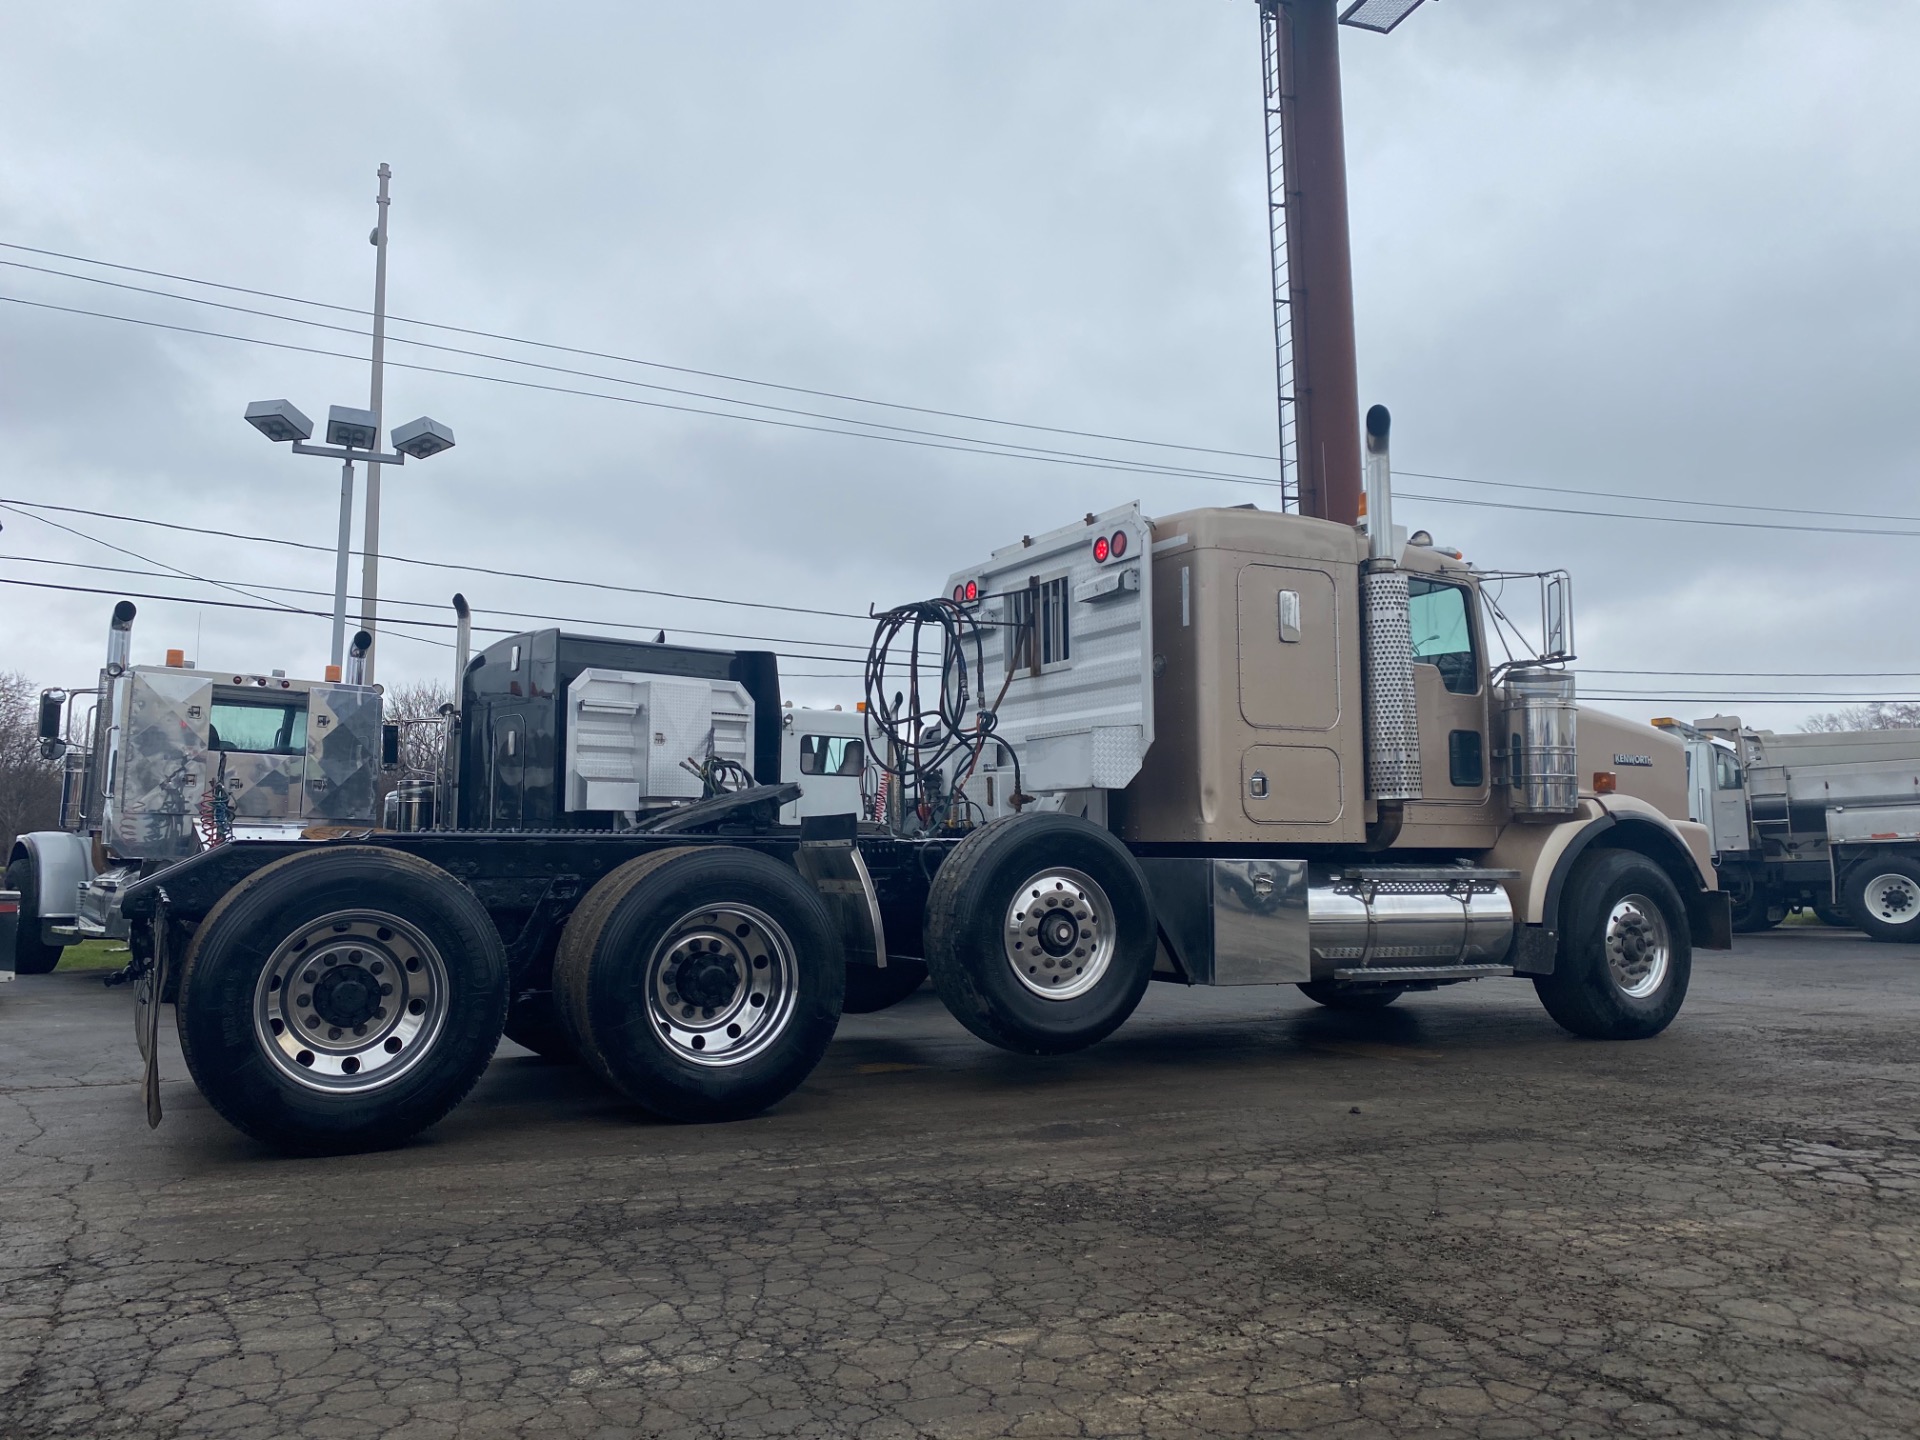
(156,760)
(1824,821)
(1221,747)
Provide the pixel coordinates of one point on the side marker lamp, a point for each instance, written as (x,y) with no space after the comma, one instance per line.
(1605,782)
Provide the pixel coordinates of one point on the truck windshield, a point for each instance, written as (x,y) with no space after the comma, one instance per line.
(1441,635)
(276,726)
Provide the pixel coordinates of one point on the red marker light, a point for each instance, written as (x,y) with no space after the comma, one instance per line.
(959,592)
(1100,550)
(1118,546)
(973,590)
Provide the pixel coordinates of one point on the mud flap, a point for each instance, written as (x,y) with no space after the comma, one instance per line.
(146,1010)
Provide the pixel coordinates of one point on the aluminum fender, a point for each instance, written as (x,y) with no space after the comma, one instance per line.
(64,862)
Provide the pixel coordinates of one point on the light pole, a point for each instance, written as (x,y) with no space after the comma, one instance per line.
(370,551)
(355,435)
(352,435)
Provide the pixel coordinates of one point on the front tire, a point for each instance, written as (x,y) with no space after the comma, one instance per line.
(703,983)
(1040,933)
(31,954)
(342,998)
(1626,951)
(1883,898)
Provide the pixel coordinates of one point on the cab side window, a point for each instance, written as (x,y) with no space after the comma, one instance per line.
(1726,771)
(832,755)
(1442,633)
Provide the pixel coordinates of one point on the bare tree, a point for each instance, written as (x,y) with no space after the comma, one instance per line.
(29,785)
(1877,715)
(413,707)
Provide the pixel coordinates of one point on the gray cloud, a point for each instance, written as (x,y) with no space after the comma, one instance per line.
(1619,246)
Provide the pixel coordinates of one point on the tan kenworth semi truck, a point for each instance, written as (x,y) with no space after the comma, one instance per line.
(1223,747)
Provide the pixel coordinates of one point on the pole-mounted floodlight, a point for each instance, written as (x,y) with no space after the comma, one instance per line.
(420,438)
(279,420)
(351,428)
(1379,16)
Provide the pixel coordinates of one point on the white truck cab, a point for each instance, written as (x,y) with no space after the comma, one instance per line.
(824,752)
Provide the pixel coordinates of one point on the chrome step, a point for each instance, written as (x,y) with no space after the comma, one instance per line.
(1400,974)
(1424,874)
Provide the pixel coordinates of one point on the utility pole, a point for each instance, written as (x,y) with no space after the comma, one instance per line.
(1312,258)
(1305,43)
(370,556)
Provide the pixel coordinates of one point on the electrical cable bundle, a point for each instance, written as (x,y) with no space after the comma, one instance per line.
(719,776)
(925,708)
(215,819)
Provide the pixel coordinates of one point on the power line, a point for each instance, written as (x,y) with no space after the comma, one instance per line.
(635,360)
(1002,448)
(982,447)
(133,554)
(998,445)
(488,609)
(279,609)
(1761,674)
(972,449)
(1658,499)
(437,564)
(1656,519)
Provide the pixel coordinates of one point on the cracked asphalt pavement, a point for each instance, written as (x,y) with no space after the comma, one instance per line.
(1241,1215)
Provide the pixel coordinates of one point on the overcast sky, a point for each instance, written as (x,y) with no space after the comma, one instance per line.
(1617,246)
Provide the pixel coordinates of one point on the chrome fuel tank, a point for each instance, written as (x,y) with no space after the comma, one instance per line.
(1374,918)
(1234,921)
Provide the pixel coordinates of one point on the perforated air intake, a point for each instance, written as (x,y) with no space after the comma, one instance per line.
(1393,732)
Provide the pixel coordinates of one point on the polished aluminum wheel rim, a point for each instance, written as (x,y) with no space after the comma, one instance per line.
(1893,899)
(722,985)
(1639,948)
(351,1001)
(1060,934)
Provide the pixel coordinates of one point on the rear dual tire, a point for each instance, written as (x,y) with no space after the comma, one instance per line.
(701,982)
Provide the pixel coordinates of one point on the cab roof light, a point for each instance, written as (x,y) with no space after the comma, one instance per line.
(176,659)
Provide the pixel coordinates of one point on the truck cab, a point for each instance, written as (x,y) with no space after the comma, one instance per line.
(161,761)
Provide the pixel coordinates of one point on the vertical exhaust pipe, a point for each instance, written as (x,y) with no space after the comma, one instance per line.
(462,644)
(357,658)
(120,638)
(447,801)
(1393,732)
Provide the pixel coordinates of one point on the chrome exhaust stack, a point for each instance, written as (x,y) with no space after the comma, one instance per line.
(447,788)
(120,639)
(357,658)
(462,644)
(1393,733)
